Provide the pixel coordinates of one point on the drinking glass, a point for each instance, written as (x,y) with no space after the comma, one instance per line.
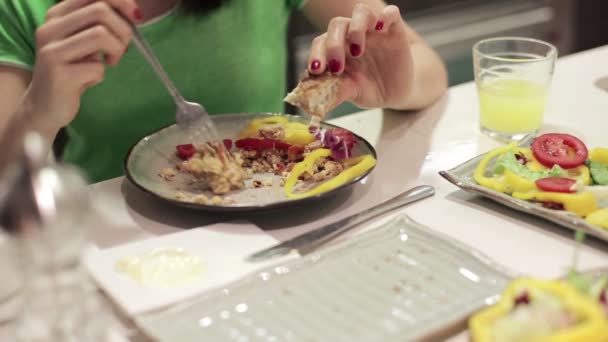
(513,76)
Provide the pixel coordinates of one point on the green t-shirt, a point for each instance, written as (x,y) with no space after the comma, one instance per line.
(231,60)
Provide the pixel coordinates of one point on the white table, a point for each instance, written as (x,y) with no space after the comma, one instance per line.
(412,148)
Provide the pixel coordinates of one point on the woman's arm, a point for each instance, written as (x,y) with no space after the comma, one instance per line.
(13,83)
(415,60)
(16,109)
(16,113)
(68,46)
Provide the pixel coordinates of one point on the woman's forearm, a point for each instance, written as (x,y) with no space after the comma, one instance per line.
(28,118)
(23,120)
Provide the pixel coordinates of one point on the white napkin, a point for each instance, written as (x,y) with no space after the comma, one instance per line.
(222,252)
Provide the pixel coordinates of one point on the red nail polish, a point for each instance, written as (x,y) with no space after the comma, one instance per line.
(335,66)
(379,26)
(355,50)
(137,14)
(315,65)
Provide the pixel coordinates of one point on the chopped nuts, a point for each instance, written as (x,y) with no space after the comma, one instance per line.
(168,173)
(200,199)
(222,171)
(274,132)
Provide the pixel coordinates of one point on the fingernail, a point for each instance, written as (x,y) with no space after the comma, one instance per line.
(379,26)
(315,65)
(334,66)
(137,14)
(355,50)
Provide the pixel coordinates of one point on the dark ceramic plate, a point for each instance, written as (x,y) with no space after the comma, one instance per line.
(149,156)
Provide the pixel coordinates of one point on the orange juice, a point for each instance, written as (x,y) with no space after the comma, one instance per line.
(512,105)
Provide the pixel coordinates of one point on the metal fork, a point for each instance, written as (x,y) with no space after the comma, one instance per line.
(190,116)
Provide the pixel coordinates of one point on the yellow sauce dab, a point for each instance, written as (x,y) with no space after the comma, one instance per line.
(163,267)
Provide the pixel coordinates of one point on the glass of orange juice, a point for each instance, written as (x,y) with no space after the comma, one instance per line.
(513,75)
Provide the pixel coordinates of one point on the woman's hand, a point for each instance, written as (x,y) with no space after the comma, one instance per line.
(78,38)
(373,50)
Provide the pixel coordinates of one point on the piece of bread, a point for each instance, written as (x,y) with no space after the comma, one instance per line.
(316,94)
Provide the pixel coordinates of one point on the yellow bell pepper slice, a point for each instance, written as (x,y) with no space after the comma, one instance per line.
(271,120)
(252,130)
(580,173)
(480,171)
(532,164)
(355,167)
(297,133)
(592,325)
(599,155)
(581,204)
(516,183)
(599,218)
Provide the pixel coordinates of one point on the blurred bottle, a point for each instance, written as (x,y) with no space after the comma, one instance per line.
(46,212)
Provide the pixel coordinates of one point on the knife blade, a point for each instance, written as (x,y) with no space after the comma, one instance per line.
(308,242)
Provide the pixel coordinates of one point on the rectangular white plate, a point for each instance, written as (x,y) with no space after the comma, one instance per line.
(462,177)
(399,282)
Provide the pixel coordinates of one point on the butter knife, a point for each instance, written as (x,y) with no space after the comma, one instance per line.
(308,242)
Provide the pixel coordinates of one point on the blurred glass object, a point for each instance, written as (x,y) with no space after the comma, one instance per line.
(46,211)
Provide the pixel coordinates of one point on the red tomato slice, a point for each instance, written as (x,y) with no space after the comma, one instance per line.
(185,151)
(556,184)
(227,144)
(261,144)
(295,152)
(564,150)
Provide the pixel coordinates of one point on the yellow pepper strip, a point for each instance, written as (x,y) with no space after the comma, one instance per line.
(581,204)
(305,165)
(480,172)
(252,130)
(271,120)
(355,167)
(592,325)
(599,218)
(580,173)
(599,155)
(532,164)
(297,133)
(516,183)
